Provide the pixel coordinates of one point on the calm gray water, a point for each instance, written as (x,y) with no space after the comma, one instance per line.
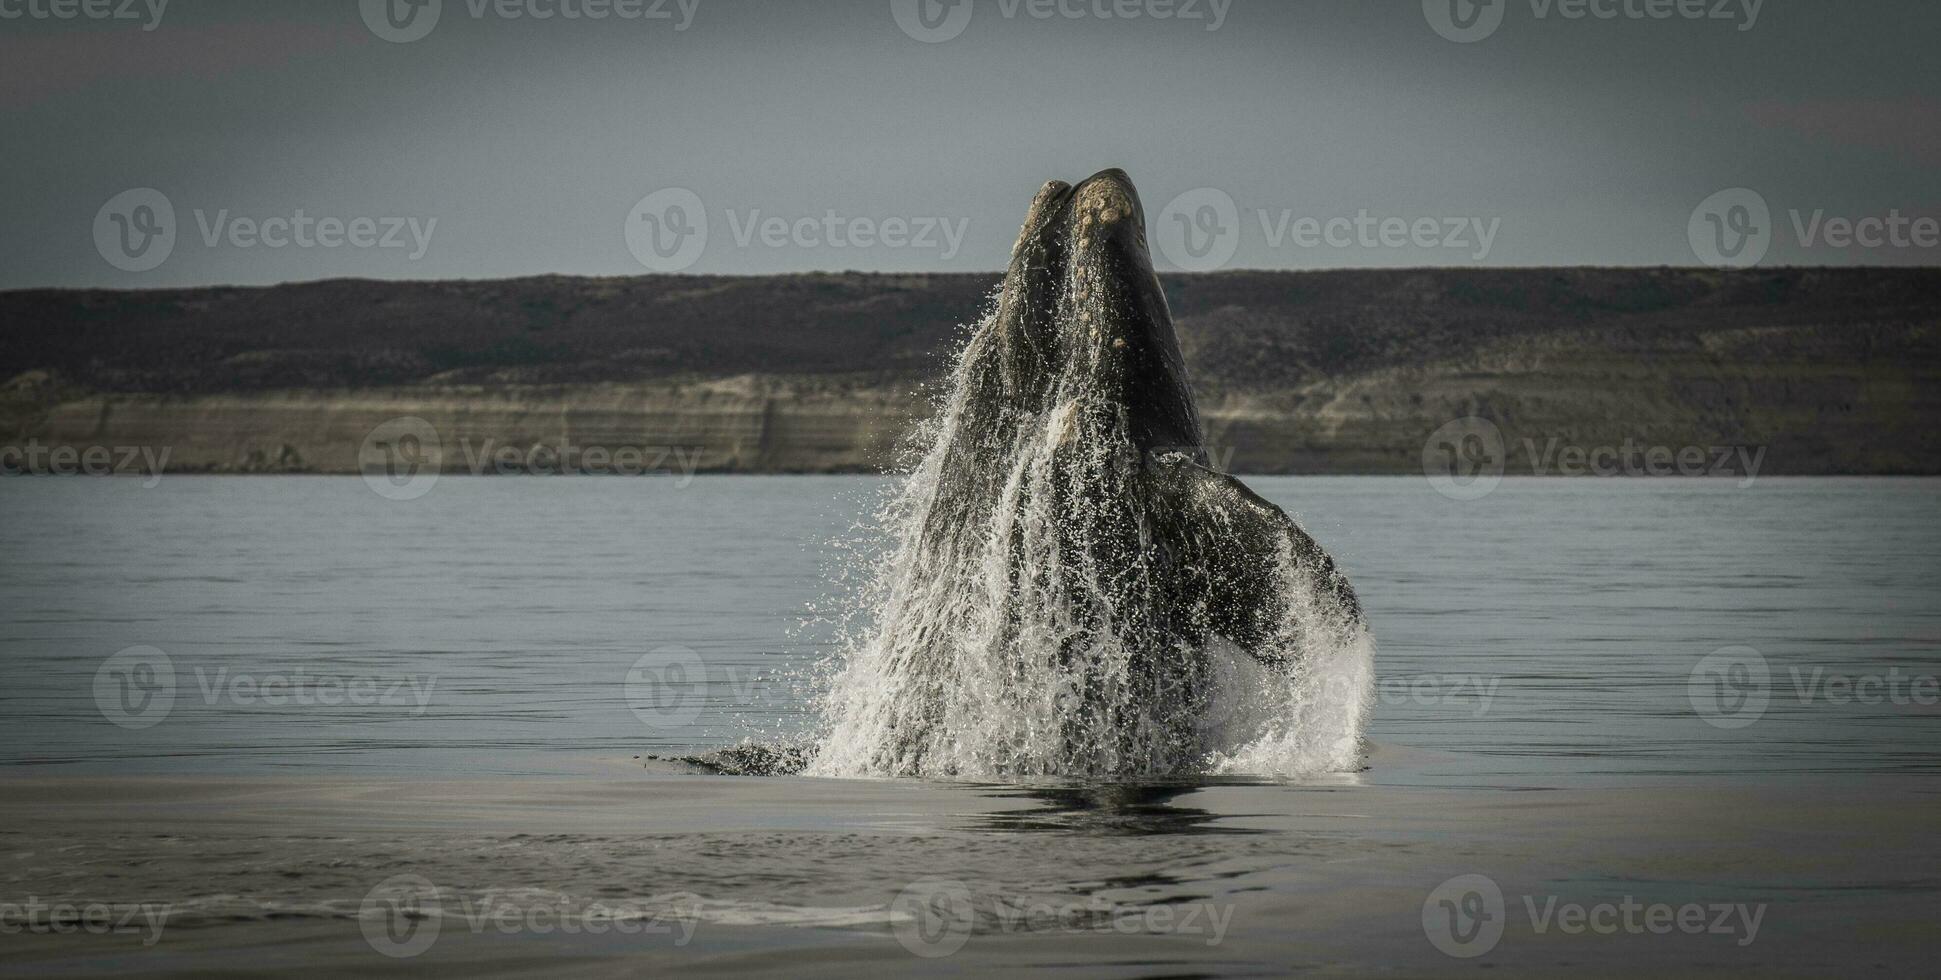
(1545,633)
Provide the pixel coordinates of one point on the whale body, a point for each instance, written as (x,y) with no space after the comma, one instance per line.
(1071,589)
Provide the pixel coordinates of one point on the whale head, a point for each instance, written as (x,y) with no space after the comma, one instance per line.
(1085,316)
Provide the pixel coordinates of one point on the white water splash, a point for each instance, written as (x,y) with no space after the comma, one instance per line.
(1016,625)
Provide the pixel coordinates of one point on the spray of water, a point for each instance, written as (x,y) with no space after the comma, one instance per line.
(1039,609)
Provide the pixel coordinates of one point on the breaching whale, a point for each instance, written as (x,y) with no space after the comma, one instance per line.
(1070,589)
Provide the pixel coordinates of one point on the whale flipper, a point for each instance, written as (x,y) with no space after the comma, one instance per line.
(1245,546)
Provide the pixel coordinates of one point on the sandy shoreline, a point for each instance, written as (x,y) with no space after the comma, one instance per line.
(796,876)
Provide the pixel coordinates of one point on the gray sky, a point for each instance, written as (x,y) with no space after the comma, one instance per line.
(1553,140)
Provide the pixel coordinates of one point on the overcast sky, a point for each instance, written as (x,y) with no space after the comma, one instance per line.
(1344,134)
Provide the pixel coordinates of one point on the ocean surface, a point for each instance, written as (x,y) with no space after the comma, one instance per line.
(1552,632)
(293,726)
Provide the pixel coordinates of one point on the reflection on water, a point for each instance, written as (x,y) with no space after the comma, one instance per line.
(1127,810)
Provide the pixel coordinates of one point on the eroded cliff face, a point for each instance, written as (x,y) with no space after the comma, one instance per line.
(1561,404)
(1818,370)
(1549,402)
(746,424)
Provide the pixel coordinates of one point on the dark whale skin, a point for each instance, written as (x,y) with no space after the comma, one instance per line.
(1073,591)
(1220,535)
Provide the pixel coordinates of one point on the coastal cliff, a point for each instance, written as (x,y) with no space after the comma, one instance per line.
(1819,371)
